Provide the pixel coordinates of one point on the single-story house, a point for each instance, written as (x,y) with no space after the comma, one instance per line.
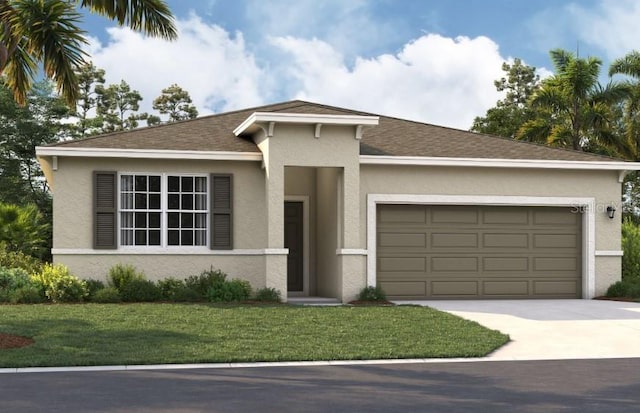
(315,200)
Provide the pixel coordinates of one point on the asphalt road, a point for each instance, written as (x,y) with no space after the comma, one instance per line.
(579,386)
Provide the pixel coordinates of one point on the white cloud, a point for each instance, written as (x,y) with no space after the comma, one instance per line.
(213,66)
(611,25)
(433,78)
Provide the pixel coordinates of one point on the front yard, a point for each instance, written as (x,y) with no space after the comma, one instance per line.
(117,334)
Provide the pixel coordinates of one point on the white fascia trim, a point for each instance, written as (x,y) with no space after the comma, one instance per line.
(588,223)
(168,251)
(497,163)
(352,251)
(267,117)
(611,253)
(148,154)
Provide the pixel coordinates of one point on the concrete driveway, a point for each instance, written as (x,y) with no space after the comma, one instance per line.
(554,329)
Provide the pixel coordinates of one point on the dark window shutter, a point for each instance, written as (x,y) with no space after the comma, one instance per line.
(221,211)
(104,210)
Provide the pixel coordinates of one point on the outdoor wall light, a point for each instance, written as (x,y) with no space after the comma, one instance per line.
(611,211)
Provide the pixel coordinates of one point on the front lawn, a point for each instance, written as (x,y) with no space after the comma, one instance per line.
(117,334)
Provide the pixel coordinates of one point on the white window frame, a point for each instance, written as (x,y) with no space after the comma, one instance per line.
(164,217)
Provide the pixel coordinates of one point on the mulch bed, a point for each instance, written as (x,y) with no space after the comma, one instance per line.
(14,341)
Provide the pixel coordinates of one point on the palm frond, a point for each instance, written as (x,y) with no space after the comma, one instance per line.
(20,72)
(152,17)
(627,65)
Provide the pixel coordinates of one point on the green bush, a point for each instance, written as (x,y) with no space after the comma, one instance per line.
(28,294)
(93,286)
(137,291)
(121,274)
(186,295)
(205,281)
(371,293)
(631,248)
(59,285)
(16,259)
(170,286)
(13,278)
(270,295)
(107,295)
(229,291)
(627,288)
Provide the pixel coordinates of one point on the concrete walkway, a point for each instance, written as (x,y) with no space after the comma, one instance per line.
(554,329)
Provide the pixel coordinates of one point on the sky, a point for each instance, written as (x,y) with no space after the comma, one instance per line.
(432,61)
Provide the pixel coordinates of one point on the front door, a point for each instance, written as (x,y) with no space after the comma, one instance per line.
(293,235)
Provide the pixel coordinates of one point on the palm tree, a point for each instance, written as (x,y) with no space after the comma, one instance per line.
(48,32)
(629,145)
(573,110)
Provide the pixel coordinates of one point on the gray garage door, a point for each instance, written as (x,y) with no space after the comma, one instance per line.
(478,251)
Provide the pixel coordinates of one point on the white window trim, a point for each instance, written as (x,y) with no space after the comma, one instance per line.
(164,247)
(588,223)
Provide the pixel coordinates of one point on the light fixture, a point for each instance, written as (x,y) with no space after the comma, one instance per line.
(611,211)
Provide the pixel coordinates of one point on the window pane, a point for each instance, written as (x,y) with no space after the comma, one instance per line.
(174,237)
(141,220)
(174,201)
(201,221)
(186,221)
(187,201)
(187,184)
(154,201)
(174,184)
(201,184)
(126,236)
(141,201)
(141,183)
(154,220)
(127,220)
(174,220)
(126,183)
(154,237)
(141,237)
(201,202)
(186,237)
(126,201)
(201,238)
(154,184)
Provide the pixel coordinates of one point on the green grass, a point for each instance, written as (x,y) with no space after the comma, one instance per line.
(116,334)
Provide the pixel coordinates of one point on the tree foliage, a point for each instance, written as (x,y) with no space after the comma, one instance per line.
(23,229)
(117,107)
(48,32)
(506,118)
(175,102)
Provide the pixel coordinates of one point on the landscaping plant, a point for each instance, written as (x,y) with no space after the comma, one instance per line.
(59,285)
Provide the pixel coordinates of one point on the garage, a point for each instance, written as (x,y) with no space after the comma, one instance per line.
(478,252)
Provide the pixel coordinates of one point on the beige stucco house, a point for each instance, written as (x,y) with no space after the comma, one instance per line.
(321,201)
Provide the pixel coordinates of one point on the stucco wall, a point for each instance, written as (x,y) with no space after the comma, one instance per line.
(603,186)
(329,274)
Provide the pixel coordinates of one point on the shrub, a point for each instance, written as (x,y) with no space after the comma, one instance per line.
(13,278)
(121,274)
(93,286)
(16,259)
(186,294)
(107,295)
(270,295)
(629,288)
(59,285)
(228,291)
(371,293)
(169,287)
(28,294)
(631,248)
(205,281)
(137,290)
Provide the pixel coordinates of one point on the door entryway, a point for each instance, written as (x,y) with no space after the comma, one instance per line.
(293,240)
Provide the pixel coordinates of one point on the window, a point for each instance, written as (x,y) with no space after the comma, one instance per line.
(163,210)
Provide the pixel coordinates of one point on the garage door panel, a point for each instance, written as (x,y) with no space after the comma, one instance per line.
(506,288)
(402,264)
(402,240)
(555,241)
(509,264)
(493,240)
(479,251)
(453,240)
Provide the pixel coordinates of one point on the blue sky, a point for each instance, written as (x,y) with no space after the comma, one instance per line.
(428,60)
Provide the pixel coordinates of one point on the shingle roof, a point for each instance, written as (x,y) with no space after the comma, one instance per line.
(392,137)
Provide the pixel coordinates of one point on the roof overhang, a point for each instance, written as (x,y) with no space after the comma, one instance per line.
(146,153)
(620,166)
(266,121)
